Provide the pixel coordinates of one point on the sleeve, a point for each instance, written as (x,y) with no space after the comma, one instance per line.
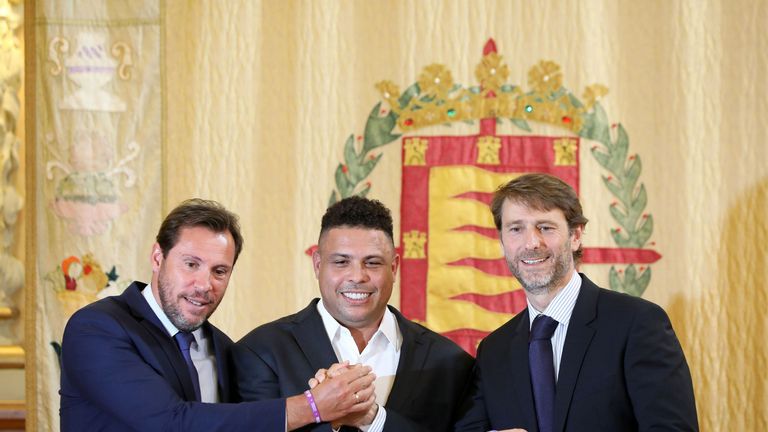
(102,367)
(256,379)
(472,416)
(657,374)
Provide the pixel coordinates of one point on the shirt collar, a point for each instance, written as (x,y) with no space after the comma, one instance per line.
(561,307)
(388,326)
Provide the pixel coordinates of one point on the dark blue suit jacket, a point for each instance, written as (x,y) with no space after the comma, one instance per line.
(433,374)
(121,371)
(622,369)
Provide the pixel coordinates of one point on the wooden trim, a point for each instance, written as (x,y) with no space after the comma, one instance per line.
(30,213)
(8,312)
(11,357)
(12,415)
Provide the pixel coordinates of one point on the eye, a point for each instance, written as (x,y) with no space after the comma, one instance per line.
(546,228)
(373,263)
(191,264)
(514,229)
(340,262)
(221,272)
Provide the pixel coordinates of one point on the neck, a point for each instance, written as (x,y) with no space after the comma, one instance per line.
(541,301)
(362,335)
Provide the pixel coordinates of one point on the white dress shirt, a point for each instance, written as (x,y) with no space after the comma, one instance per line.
(559,309)
(382,354)
(201,351)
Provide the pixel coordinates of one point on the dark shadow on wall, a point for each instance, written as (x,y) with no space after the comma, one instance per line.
(725,330)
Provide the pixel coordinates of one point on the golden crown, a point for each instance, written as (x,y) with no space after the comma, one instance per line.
(436,99)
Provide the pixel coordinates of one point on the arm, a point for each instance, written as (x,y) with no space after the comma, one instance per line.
(473,416)
(102,367)
(657,375)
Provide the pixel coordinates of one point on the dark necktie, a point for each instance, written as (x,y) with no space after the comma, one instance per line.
(185,339)
(542,371)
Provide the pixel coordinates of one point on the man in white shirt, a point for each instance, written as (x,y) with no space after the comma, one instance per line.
(149,360)
(421,377)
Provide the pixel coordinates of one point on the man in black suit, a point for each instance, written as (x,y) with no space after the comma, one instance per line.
(420,376)
(149,360)
(580,357)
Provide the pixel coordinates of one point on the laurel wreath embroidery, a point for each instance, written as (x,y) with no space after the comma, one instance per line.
(587,117)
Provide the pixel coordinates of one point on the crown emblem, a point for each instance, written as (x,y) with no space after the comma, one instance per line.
(436,99)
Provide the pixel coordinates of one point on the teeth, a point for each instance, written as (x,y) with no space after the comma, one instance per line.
(356,296)
(536,261)
(194,302)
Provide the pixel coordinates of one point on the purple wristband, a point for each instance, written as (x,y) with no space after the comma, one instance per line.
(313,405)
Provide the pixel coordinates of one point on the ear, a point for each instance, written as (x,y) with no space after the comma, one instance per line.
(156,257)
(316,262)
(395,265)
(576,237)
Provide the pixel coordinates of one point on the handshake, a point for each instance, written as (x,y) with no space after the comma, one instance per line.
(343,394)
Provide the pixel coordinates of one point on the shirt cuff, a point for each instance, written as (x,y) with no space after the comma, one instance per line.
(378,422)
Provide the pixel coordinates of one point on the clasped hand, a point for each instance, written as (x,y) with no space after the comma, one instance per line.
(364,409)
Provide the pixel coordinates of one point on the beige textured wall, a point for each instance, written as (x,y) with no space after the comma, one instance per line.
(262,95)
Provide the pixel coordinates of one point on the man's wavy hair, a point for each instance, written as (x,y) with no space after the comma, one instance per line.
(542,192)
(198,212)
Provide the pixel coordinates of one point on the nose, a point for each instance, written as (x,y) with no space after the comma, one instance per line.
(358,273)
(532,239)
(203,281)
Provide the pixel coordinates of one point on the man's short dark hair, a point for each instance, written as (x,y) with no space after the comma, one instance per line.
(542,192)
(358,212)
(198,212)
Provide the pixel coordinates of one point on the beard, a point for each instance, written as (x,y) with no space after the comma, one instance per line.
(542,282)
(171,307)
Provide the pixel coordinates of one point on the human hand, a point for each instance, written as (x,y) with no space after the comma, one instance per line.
(358,419)
(333,370)
(350,390)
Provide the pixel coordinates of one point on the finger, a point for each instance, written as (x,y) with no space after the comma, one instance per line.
(365,394)
(320,375)
(313,383)
(337,368)
(355,372)
(363,381)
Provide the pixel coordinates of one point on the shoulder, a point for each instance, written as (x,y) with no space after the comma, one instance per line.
(104,311)
(503,334)
(624,306)
(439,344)
(281,328)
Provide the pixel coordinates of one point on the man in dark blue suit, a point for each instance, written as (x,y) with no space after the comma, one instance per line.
(580,357)
(149,360)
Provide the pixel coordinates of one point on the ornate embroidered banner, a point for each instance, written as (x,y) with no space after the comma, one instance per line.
(99,154)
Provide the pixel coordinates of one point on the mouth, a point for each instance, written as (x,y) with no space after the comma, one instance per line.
(356,296)
(534,261)
(200,303)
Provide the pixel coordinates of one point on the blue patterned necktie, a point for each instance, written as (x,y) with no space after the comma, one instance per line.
(185,339)
(542,371)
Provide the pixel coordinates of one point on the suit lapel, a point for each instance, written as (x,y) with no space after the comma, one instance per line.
(577,342)
(312,339)
(165,348)
(220,341)
(413,355)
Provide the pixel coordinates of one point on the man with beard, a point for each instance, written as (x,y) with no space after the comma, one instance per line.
(421,376)
(579,357)
(149,360)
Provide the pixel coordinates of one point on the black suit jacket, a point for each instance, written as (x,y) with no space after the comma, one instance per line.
(622,369)
(277,359)
(122,371)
